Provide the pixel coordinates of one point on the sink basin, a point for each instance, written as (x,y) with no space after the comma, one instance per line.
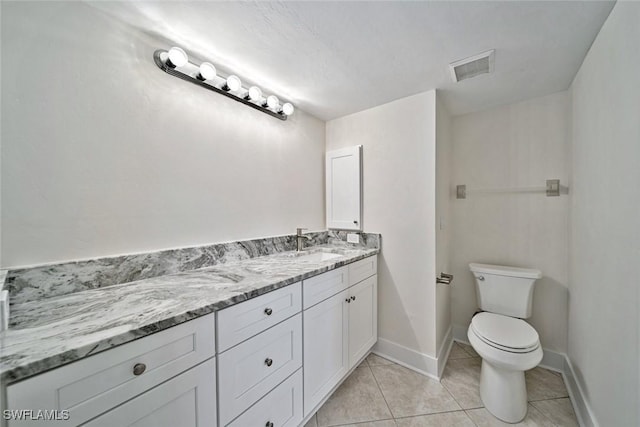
(318,256)
(314,255)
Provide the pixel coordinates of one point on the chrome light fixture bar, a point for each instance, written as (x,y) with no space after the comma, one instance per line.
(176,63)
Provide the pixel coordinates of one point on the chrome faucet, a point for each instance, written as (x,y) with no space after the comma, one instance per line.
(300,237)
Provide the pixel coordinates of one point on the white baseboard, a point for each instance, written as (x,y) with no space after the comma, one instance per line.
(409,358)
(558,362)
(443,355)
(581,405)
(460,333)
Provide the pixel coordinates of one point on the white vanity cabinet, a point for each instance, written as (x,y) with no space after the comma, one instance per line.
(338,331)
(267,361)
(97,384)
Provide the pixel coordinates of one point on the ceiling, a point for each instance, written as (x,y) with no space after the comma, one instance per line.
(335,58)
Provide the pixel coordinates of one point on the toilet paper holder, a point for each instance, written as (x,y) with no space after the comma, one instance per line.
(444,278)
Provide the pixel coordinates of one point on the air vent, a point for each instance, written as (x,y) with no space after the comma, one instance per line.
(481,63)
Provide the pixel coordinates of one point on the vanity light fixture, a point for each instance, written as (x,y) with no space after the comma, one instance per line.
(175,61)
(272,102)
(287,109)
(207,72)
(176,57)
(254,94)
(233,84)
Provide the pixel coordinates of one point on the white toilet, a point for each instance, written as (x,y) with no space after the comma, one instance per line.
(507,344)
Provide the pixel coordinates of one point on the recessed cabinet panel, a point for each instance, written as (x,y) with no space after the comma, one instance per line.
(363,318)
(362,269)
(282,407)
(344,188)
(326,359)
(322,286)
(242,321)
(188,400)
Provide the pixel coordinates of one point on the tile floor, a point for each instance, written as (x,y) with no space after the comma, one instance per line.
(380,393)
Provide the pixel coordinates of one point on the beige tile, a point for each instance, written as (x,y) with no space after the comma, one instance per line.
(408,393)
(559,411)
(462,379)
(469,350)
(483,418)
(385,423)
(312,422)
(457,352)
(448,419)
(358,399)
(544,384)
(375,360)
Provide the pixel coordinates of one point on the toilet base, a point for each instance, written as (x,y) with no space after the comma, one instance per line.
(503,392)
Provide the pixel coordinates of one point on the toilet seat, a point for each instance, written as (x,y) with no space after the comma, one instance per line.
(505,333)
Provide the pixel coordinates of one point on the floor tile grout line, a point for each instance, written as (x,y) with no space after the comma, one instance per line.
(436,413)
(361,422)
(469,416)
(382,393)
(449,391)
(548,398)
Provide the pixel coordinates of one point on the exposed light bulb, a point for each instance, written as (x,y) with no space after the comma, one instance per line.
(177,57)
(233,83)
(273,102)
(255,93)
(207,71)
(287,109)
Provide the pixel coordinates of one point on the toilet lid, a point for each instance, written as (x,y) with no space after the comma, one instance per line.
(506,333)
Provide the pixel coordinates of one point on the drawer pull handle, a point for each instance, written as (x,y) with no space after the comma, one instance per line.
(269,424)
(268,362)
(353,298)
(139,368)
(268,311)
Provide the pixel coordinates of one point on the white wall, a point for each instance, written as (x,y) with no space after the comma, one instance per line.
(605,221)
(518,145)
(443,220)
(398,141)
(102,153)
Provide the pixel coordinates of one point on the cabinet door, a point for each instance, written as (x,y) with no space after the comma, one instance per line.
(188,400)
(363,318)
(325,356)
(344,188)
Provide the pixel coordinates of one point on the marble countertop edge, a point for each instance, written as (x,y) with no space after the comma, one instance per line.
(25,355)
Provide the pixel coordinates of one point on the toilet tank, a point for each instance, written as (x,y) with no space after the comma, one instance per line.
(505,290)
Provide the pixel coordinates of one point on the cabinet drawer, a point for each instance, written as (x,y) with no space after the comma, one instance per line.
(322,286)
(251,369)
(98,383)
(360,270)
(249,318)
(282,406)
(188,400)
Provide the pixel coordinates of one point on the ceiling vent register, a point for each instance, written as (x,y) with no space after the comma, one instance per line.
(472,66)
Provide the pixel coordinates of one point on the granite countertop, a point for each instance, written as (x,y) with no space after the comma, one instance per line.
(47,333)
